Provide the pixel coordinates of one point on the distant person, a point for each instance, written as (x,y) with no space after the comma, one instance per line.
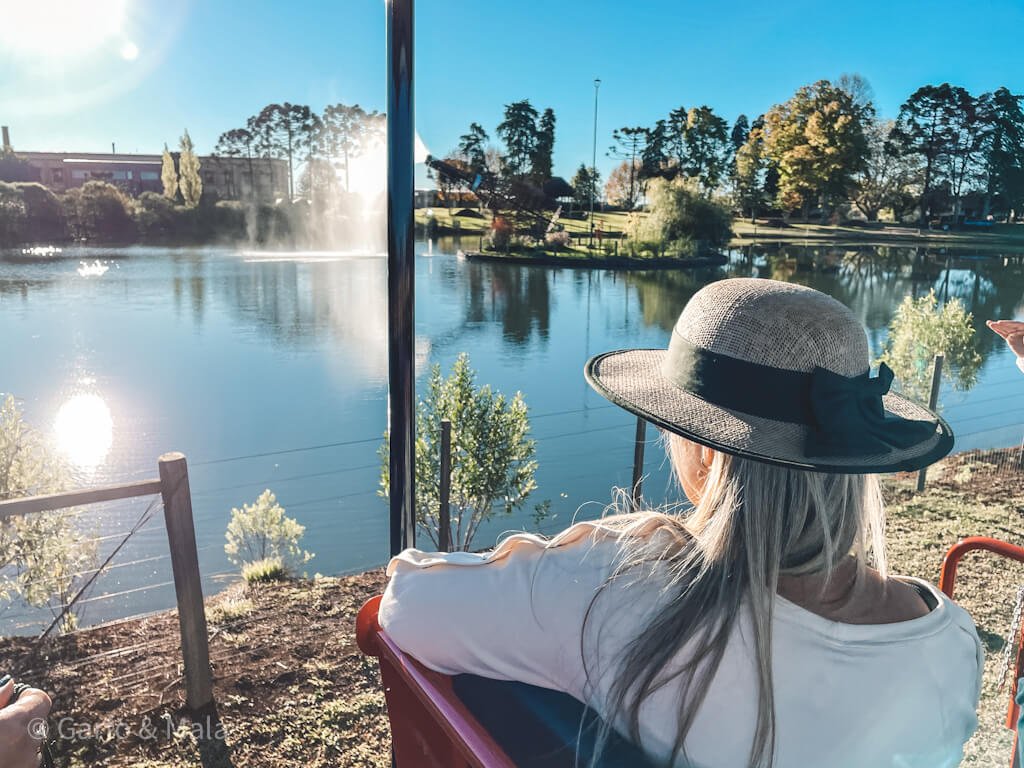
(21,735)
(761,628)
(1013,332)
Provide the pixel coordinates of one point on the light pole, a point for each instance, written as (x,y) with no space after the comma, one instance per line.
(593,165)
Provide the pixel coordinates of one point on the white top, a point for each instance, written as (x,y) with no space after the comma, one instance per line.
(1020,363)
(900,695)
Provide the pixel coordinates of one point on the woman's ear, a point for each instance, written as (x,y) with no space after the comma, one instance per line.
(707,455)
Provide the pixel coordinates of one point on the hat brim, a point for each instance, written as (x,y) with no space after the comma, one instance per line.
(632,380)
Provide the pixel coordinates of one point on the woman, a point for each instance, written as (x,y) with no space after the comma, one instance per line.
(754,630)
(22,725)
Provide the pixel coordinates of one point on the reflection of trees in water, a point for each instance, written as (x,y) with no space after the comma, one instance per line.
(662,294)
(517,297)
(189,269)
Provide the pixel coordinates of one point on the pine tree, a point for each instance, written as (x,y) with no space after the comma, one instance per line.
(190,182)
(169,176)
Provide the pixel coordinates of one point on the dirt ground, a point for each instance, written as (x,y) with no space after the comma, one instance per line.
(292,688)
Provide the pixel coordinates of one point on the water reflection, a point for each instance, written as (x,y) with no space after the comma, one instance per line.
(84,430)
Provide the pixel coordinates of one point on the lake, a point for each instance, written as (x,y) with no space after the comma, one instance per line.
(269,370)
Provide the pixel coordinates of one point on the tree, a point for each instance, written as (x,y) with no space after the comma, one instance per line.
(749,173)
(887,178)
(654,156)
(42,554)
(923,129)
(1004,150)
(541,165)
(519,132)
(628,144)
(919,331)
(707,145)
(966,124)
(817,142)
(859,90)
(492,459)
(585,184)
(189,180)
(169,175)
(473,146)
(238,143)
(675,142)
(347,132)
(293,127)
(622,188)
(261,532)
(12,215)
(739,133)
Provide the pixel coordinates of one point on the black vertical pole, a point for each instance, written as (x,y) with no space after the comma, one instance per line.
(401,273)
(638,461)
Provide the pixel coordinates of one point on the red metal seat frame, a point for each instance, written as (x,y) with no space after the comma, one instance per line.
(430,726)
(947,579)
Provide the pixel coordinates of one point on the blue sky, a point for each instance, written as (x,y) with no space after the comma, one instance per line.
(136,73)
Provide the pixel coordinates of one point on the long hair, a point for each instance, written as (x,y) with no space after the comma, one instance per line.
(753,522)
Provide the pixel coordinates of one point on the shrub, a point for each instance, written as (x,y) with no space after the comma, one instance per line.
(500,236)
(680,212)
(99,211)
(492,460)
(44,214)
(919,331)
(261,531)
(155,217)
(42,554)
(12,215)
(559,240)
(264,571)
(228,609)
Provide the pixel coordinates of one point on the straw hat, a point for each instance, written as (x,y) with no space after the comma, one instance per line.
(778,373)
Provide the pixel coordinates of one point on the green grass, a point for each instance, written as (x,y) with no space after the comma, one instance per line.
(609,221)
(261,571)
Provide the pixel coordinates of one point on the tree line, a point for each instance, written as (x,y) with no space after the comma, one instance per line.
(826,149)
(324,143)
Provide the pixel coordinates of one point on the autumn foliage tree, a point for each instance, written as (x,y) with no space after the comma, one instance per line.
(816,140)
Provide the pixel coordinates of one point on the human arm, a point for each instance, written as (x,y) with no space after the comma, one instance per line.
(512,614)
(22,725)
(1012,331)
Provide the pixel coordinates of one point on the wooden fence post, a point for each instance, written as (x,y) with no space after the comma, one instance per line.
(444,534)
(181,537)
(933,400)
(638,460)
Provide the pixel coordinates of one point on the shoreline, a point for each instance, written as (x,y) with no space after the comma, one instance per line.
(622,263)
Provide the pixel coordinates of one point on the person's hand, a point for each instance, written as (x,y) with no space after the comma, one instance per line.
(22,726)
(1012,331)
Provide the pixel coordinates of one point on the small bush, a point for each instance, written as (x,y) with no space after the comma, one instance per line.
(228,609)
(261,532)
(500,236)
(558,240)
(264,571)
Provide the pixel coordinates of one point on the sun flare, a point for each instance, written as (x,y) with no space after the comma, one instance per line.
(60,27)
(84,430)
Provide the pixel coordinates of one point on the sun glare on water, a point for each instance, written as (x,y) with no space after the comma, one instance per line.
(84,430)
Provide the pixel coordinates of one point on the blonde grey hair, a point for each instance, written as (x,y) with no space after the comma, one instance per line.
(753,522)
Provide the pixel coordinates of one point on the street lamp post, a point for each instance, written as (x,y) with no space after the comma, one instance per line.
(593,165)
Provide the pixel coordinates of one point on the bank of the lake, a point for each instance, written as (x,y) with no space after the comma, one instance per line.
(293,689)
(577,260)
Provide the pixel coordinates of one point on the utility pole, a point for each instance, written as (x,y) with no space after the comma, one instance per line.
(593,165)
